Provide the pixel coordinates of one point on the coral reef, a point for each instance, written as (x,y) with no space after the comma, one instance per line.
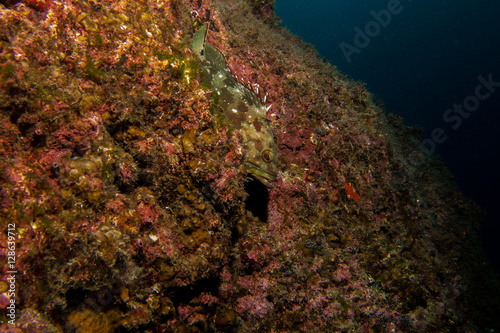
(133,211)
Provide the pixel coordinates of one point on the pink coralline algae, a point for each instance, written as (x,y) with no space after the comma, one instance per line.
(129,209)
(255,305)
(342,273)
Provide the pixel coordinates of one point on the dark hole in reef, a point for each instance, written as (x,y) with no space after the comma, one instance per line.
(79,150)
(38,139)
(75,297)
(257,199)
(184,295)
(98,301)
(145,177)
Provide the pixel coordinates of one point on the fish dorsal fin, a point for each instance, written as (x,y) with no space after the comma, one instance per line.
(199,38)
(206,51)
(215,58)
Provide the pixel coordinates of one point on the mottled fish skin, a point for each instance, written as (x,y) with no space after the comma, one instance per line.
(245,113)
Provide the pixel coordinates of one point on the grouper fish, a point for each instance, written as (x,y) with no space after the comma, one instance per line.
(242,109)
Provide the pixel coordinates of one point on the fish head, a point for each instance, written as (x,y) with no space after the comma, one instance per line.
(265,176)
(260,153)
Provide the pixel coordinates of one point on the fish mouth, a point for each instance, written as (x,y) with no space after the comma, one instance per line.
(263,176)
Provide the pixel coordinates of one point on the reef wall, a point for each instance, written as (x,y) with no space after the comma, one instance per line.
(134,213)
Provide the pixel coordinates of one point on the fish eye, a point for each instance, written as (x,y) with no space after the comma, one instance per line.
(267,156)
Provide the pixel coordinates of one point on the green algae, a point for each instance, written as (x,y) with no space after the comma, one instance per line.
(8,70)
(167,56)
(189,70)
(343,304)
(91,70)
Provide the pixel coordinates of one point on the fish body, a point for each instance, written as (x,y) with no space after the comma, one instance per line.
(242,109)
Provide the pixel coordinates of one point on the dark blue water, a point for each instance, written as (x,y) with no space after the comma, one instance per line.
(436,63)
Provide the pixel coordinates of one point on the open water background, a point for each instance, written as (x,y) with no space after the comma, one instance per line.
(426,59)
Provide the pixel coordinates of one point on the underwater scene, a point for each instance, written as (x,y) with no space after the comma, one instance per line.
(193,166)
